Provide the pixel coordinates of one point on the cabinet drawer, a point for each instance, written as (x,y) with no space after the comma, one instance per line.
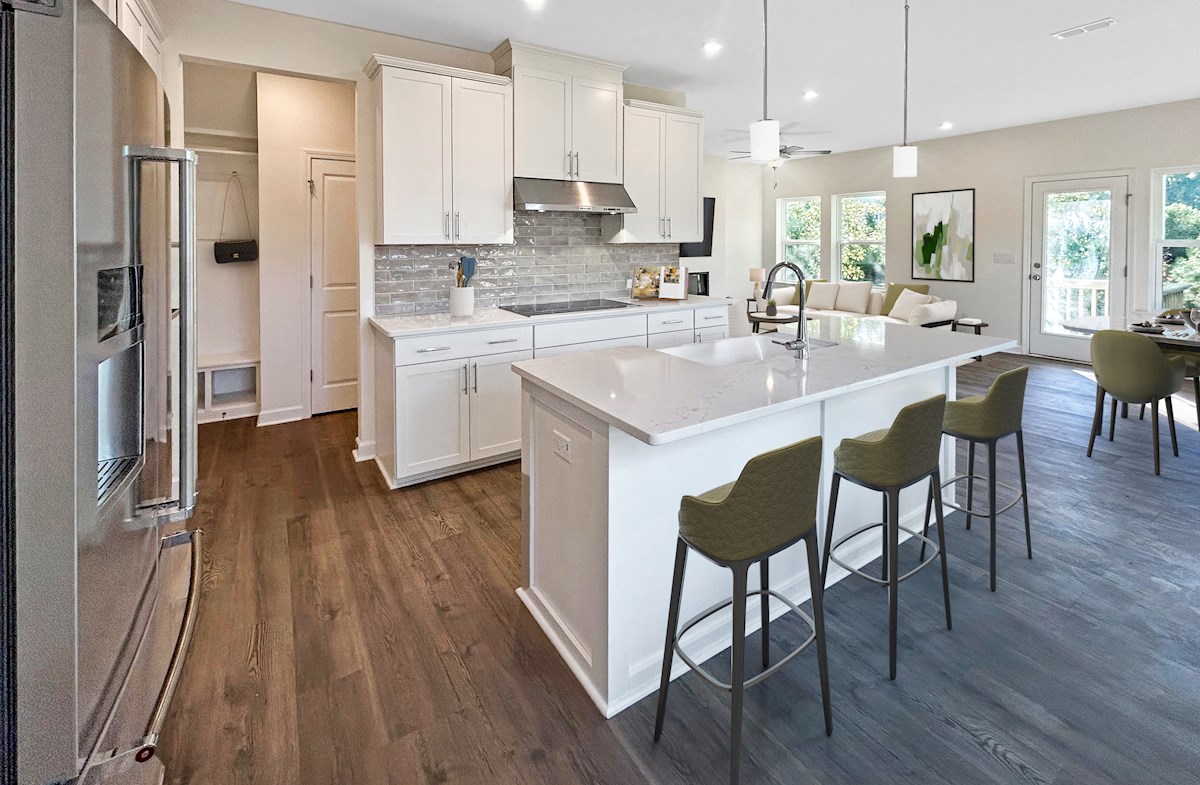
(667,340)
(712,317)
(671,321)
(566,333)
(454,346)
(591,346)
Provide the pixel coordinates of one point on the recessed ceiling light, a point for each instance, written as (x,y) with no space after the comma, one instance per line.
(712,48)
(1090,27)
(535,5)
(810,95)
(946,126)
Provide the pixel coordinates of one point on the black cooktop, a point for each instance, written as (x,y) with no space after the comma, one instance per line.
(575,306)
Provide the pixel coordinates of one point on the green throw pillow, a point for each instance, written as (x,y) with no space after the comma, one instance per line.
(808,282)
(893,291)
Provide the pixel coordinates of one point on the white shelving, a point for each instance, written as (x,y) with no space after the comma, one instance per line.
(228,386)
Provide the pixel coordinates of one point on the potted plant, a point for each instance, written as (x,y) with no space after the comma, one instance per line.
(771,309)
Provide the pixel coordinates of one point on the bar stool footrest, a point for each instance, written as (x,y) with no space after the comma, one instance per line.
(1001,511)
(879,524)
(704,674)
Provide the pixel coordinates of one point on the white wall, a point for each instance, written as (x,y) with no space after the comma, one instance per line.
(997,164)
(295,117)
(737,227)
(221,31)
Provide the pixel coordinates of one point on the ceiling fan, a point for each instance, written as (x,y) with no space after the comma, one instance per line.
(764,134)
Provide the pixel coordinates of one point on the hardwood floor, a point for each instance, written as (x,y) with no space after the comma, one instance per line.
(351,634)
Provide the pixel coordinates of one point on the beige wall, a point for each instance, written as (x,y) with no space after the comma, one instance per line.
(271,41)
(296,118)
(997,164)
(737,228)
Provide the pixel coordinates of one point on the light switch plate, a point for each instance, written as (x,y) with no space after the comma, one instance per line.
(562,446)
(1004,257)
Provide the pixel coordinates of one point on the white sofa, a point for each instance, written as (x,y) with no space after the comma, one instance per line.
(936,313)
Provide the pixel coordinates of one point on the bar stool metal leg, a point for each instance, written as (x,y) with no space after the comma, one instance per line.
(833,499)
(893,546)
(1024,490)
(883,536)
(815,585)
(763,575)
(738,677)
(992,506)
(971,480)
(681,550)
(935,486)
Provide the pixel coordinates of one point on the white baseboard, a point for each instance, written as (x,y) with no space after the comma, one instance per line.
(280,416)
(364,450)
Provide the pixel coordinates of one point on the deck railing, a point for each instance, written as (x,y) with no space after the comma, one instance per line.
(1075,298)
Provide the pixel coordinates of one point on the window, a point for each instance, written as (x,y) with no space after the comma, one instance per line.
(800,234)
(862,237)
(1177,229)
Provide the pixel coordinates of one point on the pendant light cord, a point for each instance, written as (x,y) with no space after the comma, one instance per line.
(765,60)
(906,73)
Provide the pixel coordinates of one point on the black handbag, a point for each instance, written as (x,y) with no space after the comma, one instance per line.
(227,251)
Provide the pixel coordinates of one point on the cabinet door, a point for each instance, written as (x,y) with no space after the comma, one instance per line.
(482,151)
(495,405)
(666,340)
(596,121)
(415,157)
(710,334)
(541,123)
(683,174)
(432,412)
(644,136)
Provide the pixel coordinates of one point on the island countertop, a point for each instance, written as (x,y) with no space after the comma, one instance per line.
(661,396)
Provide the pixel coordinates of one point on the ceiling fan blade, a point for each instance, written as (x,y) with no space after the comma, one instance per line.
(803,153)
(739,157)
(739,152)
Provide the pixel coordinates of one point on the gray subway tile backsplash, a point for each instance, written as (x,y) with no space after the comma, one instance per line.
(557,256)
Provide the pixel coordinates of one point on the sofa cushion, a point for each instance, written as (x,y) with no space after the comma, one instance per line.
(875,307)
(894,289)
(906,302)
(941,311)
(823,296)
(854,297)
(808,282)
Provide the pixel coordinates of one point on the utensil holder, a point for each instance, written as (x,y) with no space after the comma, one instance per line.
(462,301)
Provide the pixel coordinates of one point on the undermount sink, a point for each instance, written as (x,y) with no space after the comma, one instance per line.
(735,351)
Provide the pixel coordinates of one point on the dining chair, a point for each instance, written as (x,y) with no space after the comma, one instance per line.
(1133,370)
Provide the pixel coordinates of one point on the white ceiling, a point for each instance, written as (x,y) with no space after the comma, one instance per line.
(981,64)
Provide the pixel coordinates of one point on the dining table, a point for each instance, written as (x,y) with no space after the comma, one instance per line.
(1175,337)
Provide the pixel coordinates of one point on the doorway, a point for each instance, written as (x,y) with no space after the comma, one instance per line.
(1078,249)
(333,255)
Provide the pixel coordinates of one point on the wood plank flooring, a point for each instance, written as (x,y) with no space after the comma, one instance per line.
(351,634)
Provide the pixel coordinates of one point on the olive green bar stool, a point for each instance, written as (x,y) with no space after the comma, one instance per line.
(888,461)
(1132,369)
(771,506)
(986,419)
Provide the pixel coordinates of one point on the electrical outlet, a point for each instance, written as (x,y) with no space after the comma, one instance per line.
(562,446)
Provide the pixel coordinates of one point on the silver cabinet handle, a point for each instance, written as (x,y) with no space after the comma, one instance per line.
(457,225)
(662,227)
(673,321)
(668,227)
(446,225)
(466,378)
(570,164)
(476,367)
(434,349)
(577,165)
(135,156)
(710,318)
(506,340)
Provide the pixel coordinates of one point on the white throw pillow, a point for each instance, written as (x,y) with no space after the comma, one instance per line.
(823,296)
(854,297)
(941,311)
(906,302)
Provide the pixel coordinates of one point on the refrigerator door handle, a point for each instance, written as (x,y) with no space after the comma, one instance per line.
(136,155)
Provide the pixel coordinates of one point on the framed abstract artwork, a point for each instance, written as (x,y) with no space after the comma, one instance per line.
(944,235)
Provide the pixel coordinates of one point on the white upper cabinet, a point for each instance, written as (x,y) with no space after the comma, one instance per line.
(568,113)
(139,22)
(664,174)
(444,143)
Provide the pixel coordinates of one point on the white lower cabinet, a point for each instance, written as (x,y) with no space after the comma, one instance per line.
(667,340)
(495,405)
(710,334)
(432,417)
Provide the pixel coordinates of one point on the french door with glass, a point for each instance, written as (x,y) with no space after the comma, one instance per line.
(1077,263)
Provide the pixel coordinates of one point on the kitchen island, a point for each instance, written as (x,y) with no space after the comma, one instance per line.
(611,441)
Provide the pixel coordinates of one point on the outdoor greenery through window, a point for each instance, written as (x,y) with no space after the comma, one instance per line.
(800,234)
(1179,240)
(862,235)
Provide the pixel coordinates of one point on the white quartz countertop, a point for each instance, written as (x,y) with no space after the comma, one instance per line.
(661,396)
(484,318)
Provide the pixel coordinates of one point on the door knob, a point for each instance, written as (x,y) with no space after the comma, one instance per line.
(1037,265)
(1035,277)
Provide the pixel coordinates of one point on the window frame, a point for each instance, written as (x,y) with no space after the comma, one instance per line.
(839,242)
(782,242)
(1158,216)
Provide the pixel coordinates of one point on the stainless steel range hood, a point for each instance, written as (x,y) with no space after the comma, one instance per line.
(570,196)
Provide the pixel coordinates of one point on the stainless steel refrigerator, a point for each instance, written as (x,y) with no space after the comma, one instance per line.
(105,376)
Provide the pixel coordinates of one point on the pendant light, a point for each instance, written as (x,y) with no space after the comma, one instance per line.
(904,157)
(764,135)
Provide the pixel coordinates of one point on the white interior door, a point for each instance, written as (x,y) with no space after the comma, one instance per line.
(1077,263)
(495,405)
(596,130)
(684,198)
(334,256)
(415,170)
(644,134)
(482,145)
(542,122)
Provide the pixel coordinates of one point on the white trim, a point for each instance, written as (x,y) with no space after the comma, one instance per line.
(533,604)
(364,450)
(509,46)
(835,259)
(649,106)
(781,227)
(280,416)
(377,61)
